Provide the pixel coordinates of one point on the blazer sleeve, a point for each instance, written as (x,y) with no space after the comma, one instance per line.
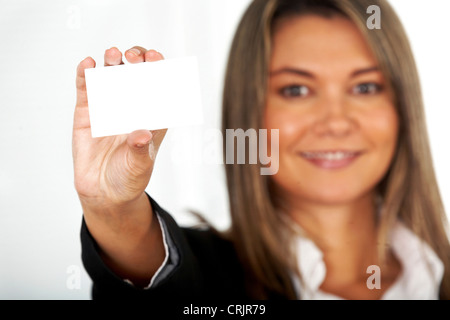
(207,267)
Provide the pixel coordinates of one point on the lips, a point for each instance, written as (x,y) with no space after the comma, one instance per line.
(331,159)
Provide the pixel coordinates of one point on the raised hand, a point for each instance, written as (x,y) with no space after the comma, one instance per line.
(111,174)
(111,170)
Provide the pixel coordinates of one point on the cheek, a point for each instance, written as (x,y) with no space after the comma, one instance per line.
(381,128)
(291,125)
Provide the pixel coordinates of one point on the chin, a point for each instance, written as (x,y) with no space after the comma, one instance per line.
(333,195)
(324,190)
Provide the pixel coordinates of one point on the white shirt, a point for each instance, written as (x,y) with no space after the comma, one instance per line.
(420,278)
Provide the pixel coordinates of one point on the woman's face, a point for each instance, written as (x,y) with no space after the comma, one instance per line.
(337,123)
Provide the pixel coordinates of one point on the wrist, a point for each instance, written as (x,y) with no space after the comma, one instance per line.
(130,215)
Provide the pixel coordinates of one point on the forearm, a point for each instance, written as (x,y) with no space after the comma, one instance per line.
(129,237)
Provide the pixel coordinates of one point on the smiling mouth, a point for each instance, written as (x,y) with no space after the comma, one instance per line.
(332,159)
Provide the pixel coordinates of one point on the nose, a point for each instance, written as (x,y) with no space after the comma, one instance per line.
(334,118)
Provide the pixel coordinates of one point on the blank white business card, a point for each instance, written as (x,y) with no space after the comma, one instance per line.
(147,95)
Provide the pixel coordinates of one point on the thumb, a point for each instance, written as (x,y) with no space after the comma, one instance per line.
(140,144)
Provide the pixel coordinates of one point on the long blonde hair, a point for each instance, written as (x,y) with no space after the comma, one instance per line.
(409,190)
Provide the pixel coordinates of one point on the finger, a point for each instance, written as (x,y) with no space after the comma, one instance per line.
(113,57)
(139,142)
(139,138)
(145,144)
(81,115)
(81,80)
(153,55)
(135,54)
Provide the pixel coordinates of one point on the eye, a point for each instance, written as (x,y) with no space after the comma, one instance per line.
(367,88)
(295,91)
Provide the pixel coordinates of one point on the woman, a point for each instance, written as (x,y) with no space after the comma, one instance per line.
(355,187)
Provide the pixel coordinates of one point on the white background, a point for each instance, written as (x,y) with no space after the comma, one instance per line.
(41,44)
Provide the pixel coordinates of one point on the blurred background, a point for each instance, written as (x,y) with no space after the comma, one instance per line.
(41,44)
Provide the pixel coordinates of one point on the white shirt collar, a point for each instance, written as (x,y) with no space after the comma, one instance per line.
(420,278)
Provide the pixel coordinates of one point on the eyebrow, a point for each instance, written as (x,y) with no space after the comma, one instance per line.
(308,74)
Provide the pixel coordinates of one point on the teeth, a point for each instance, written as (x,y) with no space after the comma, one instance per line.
(338,155)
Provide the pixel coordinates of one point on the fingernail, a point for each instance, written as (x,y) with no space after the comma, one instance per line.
(135,51)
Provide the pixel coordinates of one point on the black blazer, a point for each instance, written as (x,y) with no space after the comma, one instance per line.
(208,268)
